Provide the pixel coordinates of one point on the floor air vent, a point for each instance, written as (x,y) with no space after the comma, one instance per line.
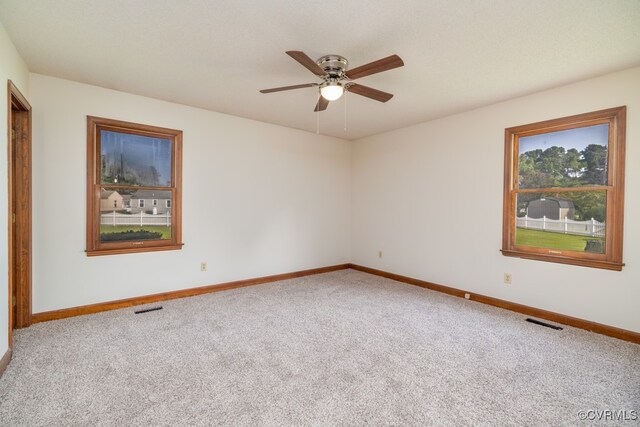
(146,310)
(548,325)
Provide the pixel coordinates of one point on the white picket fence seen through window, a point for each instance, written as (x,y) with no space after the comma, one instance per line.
(140,219)
(590,227)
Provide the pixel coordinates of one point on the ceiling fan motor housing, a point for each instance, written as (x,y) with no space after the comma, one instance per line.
(334,65)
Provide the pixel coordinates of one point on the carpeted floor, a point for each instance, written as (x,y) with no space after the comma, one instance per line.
(342,348)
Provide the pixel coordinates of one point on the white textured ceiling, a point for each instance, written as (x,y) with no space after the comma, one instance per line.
(217,54)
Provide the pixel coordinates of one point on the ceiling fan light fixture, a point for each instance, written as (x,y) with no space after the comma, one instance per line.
(331,91)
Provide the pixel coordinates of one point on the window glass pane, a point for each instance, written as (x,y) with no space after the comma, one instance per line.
(133,221)
(563,221)
(127,159)
(568,158)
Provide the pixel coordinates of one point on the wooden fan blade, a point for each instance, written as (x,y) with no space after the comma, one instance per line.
(306,62)
(279,89)
(384,64)
(322,104)
(369,92)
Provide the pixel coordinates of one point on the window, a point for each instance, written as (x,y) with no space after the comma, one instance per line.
(167,203)
(132,161)
(115,203)
(564,190)
(154,202)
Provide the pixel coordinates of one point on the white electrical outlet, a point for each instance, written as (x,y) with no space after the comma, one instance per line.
(379,254)
(203,266)
(507,278)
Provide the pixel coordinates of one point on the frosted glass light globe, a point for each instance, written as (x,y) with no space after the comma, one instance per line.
(332,91)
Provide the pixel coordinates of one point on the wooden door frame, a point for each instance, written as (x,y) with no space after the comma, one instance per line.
(19,164)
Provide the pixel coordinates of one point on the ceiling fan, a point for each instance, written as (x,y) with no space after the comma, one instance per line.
(336,78)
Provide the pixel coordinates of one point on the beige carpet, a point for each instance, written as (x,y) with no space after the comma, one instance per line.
(342,348)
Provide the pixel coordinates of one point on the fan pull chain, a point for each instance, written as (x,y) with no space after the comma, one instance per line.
(318,113)
(345,110)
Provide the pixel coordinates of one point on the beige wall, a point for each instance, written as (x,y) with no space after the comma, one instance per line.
(401,178)
(12,67)
(258,199)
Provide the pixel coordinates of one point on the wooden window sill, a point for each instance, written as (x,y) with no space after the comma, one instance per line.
(607,265)
(118,251)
